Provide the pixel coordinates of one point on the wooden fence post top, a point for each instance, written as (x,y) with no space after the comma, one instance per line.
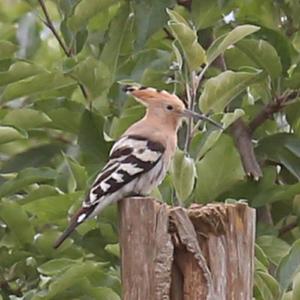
(203,252)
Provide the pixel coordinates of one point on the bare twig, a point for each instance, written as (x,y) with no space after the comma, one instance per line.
(191,96)
(189,124)
(264,215)
(50,25)
(199,78)
(68,52)
(271,108)
(243,141)
(287,228)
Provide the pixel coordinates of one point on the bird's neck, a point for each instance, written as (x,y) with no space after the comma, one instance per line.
(156,129)
(162,121)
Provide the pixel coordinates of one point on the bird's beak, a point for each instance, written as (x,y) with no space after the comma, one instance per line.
(191,114)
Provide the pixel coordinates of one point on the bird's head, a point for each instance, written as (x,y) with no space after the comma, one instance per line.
(164,104)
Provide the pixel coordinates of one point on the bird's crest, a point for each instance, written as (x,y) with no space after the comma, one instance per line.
(151,95)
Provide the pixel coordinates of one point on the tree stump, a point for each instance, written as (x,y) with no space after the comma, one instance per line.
(205,252)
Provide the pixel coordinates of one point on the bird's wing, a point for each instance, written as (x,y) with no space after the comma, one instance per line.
(129,158)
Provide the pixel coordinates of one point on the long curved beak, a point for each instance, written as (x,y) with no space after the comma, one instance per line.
(191,114)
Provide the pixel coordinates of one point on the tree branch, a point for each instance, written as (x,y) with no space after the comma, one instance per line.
(50,25)
(189,124)
(48,22)
(271,108)
(243,141)
(285,229)
(242,138)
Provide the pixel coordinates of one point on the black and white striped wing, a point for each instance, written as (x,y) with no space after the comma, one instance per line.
(133,164)
(130,157)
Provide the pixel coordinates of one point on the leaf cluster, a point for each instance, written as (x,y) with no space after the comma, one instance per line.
(61,107)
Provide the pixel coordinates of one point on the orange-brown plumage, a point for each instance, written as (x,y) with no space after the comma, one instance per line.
(139,160)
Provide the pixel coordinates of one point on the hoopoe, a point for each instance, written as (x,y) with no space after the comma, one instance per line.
(139,160)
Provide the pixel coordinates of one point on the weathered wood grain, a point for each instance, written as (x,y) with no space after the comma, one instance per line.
(205,252)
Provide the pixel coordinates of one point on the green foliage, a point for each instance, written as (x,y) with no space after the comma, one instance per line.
(183,174)
(60,111)
(194,54)
(214,98)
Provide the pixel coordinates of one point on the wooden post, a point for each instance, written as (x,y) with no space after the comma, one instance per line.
(205,252)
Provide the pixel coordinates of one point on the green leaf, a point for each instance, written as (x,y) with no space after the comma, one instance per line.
(64,119)
(273,247)
(219,91)
(56,266)
(265,190)
(53,207)
(176,17)
(26,118)
(222,43)
(7,49)
(19,71)
(289,266)
(85,10)
(65,114)
(11,133)
(296,287)
(262,258)
(35,84)
(292,82)
(215,174)
(66,6)
(231,117)
(104,293)
(205,13)
(17,221)
(283,148)
(71,277)
(263,55)
(267,285)
(178,56)
(91,139)
(33,157)
(43,242)
(111,51)
(149,16)
(79,173)
(280,42)
(94,75)
(183,175)
(265,13)
(203,142)
(276,193)
(25,178)
(113,249)
(187,38)
(65,179)
(72,176)
(43,190)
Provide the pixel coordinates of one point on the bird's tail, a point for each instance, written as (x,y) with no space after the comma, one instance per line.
(65,234)
(82,214)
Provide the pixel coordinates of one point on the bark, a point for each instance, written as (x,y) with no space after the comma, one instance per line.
(243,141)
(205,252)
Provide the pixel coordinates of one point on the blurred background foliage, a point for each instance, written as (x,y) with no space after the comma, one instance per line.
(61,107)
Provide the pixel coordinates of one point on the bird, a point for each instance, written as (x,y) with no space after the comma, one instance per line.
(140,158)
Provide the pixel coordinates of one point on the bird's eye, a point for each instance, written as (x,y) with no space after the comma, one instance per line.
(170,107)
